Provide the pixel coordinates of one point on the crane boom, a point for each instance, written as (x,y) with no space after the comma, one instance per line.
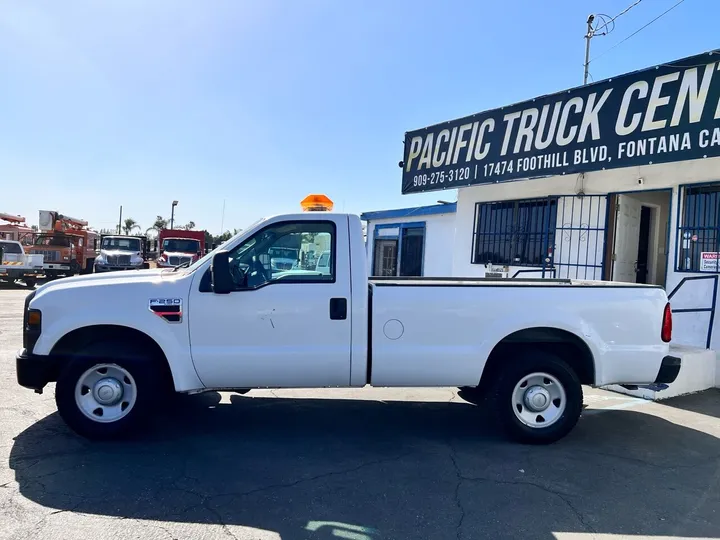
(51,220)
(12,218)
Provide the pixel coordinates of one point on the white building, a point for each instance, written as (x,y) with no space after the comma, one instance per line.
(644,209)
(411,241)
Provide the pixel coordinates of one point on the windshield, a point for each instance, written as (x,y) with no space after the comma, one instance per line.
(10,247)
(283,253)
(183,245)
(122,244)
(57,241)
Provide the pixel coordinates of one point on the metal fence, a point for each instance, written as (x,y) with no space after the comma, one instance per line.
(580,237)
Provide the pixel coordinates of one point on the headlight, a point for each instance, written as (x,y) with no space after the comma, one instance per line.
(100,259)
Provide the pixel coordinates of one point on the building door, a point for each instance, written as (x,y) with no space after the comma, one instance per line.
(643,257)
(411,257)
(627,239)
(385,257)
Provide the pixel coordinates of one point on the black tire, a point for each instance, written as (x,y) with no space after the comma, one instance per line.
(30,283)
(149,385)
(513,372)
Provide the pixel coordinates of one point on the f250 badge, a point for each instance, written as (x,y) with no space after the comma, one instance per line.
(169,309)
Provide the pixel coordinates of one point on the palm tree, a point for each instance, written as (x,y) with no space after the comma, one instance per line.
(129,225)
(160,223)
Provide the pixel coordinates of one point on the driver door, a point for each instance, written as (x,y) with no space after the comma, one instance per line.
(279,328)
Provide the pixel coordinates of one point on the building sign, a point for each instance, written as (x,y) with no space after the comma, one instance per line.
(659,115)
(709,261)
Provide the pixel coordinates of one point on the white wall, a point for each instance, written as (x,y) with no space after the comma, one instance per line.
(689,328)
(439,232)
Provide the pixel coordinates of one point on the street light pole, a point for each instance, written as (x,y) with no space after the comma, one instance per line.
(588,37)
(172,214)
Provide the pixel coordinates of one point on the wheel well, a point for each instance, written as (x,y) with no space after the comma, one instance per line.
(79,338)
(564,344)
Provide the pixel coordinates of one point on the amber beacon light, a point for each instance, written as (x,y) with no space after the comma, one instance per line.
(316,203)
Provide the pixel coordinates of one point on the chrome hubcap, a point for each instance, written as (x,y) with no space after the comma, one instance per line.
(539,400)
(108,391)
(105,393)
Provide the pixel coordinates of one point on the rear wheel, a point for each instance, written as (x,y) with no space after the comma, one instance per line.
(101,397)
(537,398)
(30,282)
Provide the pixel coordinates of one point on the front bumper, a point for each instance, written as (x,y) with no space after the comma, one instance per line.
(669,369)
(35,371)
(58,267)
(19,274)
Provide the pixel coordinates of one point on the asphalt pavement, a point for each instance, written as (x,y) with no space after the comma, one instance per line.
(358,464)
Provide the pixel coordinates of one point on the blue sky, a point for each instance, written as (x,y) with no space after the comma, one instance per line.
(258,103)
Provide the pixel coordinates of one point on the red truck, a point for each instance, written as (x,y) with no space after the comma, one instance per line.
(178,246)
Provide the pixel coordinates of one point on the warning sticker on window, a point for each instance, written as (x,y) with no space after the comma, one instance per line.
(709,261)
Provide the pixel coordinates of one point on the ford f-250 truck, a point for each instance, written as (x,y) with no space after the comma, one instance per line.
(231,322)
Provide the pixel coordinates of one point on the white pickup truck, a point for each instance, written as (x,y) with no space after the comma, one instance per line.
(118,344)
(16,265)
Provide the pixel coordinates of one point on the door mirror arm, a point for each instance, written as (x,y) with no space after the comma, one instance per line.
(221,278)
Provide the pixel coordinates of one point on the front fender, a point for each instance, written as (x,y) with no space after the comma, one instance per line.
(171,338)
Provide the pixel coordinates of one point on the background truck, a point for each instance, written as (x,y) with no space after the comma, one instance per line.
(119,252)
(231,322)
(15,265)
(66,243)
(14,228)
(178,246)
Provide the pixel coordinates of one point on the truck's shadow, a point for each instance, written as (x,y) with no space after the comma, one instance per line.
(380,470)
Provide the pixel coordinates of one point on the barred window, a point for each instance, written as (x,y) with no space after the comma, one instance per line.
(699,233)
(517,233)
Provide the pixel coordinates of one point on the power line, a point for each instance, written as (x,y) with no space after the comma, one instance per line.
(612,21)
(639,29)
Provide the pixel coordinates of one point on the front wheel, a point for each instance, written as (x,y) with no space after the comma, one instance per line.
(537,398)
(102,398)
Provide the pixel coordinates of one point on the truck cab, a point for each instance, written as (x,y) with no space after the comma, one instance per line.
(121,253)
(66,244)
(179,247)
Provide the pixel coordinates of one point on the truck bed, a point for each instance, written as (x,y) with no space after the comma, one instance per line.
(440,331)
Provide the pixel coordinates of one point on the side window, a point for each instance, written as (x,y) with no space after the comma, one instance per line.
(287,252)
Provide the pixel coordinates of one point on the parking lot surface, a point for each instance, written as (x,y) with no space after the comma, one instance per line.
(357,464)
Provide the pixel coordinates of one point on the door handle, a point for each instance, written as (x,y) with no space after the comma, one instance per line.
(338,309)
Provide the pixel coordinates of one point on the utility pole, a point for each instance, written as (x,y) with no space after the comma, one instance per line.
(120,221)
(588,37)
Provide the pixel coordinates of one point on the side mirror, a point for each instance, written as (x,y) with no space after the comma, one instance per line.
(222,282)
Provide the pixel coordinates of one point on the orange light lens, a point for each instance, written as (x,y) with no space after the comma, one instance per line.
(316,203)
(34,318)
